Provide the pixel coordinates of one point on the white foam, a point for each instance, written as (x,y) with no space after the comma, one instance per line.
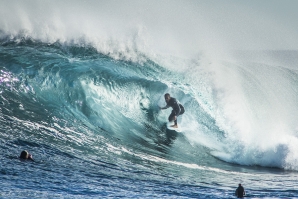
(126,29)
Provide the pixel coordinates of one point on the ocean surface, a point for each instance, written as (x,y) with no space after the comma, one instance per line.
(87,109)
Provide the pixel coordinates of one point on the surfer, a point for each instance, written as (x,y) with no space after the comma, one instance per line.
(26,156)
(240,193)
(178,109)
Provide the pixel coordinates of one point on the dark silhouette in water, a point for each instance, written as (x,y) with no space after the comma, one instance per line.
(26,156)
(240,193)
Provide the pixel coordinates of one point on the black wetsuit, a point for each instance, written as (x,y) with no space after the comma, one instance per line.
(178,109)
(240,192)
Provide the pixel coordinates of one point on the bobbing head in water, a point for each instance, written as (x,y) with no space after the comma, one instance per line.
(26,155)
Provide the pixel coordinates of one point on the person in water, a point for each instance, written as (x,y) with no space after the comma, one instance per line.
(26,156)
(178,109)
(240,193)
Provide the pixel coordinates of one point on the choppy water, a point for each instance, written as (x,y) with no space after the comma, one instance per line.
(94,128)
(87,109)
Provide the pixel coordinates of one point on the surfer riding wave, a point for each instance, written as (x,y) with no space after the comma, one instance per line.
(178,109)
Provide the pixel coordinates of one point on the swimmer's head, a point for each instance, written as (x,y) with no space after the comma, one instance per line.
(25,155)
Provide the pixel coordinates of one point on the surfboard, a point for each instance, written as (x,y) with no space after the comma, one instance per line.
(169,124)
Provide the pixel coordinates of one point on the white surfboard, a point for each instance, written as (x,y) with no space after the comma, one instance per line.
(169,124)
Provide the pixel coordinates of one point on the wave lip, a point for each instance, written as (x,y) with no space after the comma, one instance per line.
(72,105)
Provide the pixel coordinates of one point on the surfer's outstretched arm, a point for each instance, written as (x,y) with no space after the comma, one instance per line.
(167,106)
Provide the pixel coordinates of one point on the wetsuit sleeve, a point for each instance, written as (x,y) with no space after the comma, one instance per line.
(167,106)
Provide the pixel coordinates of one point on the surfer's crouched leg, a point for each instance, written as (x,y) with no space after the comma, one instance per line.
(171,117)
(175,126)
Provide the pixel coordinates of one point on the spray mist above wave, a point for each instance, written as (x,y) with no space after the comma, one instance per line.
(257,109)
(170,27)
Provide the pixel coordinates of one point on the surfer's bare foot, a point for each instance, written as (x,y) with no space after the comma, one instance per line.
(174,126)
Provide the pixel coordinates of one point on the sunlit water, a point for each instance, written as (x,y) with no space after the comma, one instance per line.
(83,96)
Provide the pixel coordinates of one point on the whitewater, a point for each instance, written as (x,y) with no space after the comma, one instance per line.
(81,84)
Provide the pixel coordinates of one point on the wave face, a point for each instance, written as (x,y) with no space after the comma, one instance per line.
(83,97)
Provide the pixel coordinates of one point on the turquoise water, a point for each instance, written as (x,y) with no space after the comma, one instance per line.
(81,84)
(94,128)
